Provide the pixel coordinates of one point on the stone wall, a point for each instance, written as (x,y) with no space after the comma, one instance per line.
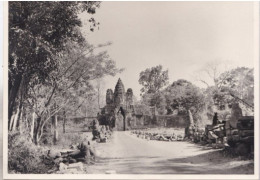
(172,121)
(143,121)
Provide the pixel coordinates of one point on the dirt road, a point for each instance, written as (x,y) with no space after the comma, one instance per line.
(127,154)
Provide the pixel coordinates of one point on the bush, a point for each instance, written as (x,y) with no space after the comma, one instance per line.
(24,156)
(67,139)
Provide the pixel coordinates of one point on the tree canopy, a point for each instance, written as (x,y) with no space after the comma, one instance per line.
(182,95)
(51,64)
(153,79)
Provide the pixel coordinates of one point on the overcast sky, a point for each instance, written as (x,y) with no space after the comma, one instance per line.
(181,36)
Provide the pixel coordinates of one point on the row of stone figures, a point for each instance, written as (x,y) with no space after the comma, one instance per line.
(101,133)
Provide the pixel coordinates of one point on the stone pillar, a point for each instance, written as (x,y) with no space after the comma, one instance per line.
(236,113)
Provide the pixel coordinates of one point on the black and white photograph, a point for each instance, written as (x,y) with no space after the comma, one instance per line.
(131,89)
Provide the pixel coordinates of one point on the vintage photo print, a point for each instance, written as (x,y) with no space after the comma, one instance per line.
(131,90)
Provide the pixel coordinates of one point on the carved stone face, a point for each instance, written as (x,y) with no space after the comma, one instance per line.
(109,96)
(129,96)
(119,93)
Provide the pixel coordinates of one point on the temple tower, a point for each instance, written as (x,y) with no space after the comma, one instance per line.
(119,94)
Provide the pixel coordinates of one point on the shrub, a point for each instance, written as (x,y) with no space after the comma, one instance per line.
(24,156)
(67,139)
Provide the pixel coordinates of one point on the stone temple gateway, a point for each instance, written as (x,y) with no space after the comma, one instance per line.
(119,110)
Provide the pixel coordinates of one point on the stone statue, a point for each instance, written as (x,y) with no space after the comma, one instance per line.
(236,113)
(215,119)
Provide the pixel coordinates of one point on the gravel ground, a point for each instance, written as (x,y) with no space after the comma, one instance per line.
(127,154)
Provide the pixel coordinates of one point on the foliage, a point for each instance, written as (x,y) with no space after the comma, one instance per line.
(40,30)
(141,108)
(211,71)
(240,82)
(153,79)
(71,86)
(183,96)
(23,156)
(233,84)
(69,89)
(156,100)
(68,139)
(39,33)
(51,65)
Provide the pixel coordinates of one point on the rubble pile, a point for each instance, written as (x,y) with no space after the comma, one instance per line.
(146,134)
(236,133)
(71,160)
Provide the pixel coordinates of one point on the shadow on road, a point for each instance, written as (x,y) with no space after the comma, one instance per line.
(126,154)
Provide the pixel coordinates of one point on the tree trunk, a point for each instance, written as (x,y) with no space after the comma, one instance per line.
(32,125)
(64,125)
(52,125)
(11,122)
(55,129)
(26,121)
(13,95)
(98,98)
(64,122)
(14,128)
(37,138)
(37,132)
(190,118)
(20,121)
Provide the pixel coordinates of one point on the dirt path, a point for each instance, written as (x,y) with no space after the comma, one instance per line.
(127,154)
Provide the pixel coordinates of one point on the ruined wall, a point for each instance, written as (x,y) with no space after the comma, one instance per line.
(172,120)
(161,121)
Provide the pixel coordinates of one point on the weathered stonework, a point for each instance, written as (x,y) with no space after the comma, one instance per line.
(109,97)
(119,112)
(119,108)
(119,94)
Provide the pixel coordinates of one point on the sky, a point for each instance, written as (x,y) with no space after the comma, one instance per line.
(181,36)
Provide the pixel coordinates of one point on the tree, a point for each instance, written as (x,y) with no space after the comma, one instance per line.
(69,87)
(51,65)
(215,76)
(183,96)
(141,108)
(153,79)
(38,33)
(240,82)
(99,87)
(211,71)
(156,100)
